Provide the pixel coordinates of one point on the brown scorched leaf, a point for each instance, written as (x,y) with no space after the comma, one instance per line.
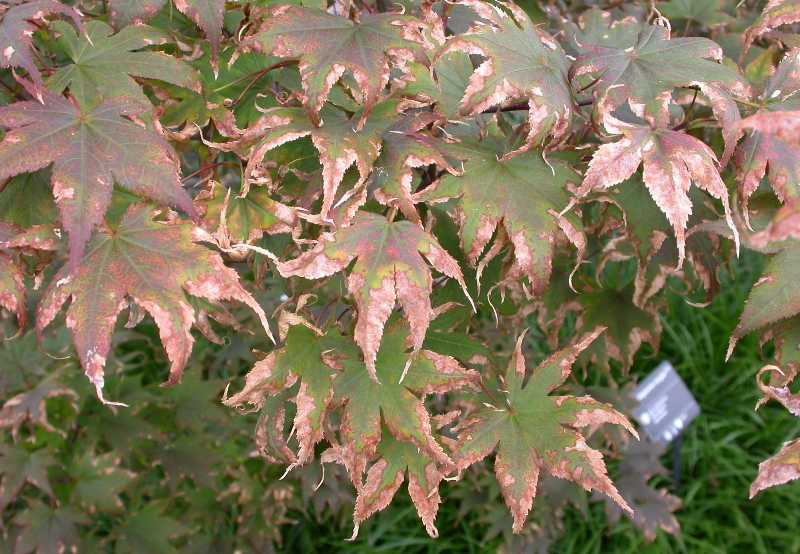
(90,151)
(328,45)
(775,14)
(30,405)
(521,62)
(151,264)
(389,267)
(533,431)
(672,161)
(779,469)
(16,35)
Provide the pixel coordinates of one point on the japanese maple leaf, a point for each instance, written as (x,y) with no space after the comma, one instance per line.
(103,62)
(48,529)
(626,331)
(12,279)
(389,266)
(772,136)
(207,14)
(775,14)
(637,62)
(327,45)
(151,264)
(338,142)
(672,161)
(778,469)
(396,401)
(385,476)
(18,466)
(774,297)
(706,12)
(522,61)
(16,34)
(533,431)
(452,71)
(785,465)
(525,193)
(90,150)
(99,480)
(30,405)
(652,508)
(245,219)
(405,147)
(299,360)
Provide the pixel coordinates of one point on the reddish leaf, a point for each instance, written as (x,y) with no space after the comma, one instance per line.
(151,264)
(328,45)
(775,14)
(89,150)
(16,35)
(672,161)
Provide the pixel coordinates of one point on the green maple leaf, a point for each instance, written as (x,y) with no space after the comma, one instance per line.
(774,297)
(46,529)
(445,85)
(637,62)
(18,467)
(26,200)
(148,530)
(103,63)
(386,475)
(89,150)
(389,267)
(301,361)
(30,404)
(522,61)
(626,331)
(16,34)
(706,12)
(152,264)
(99,481)
(525,193)
(327,45)
(533,431)
(396,401)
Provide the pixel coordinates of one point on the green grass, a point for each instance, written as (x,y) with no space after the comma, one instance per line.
(720,455)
